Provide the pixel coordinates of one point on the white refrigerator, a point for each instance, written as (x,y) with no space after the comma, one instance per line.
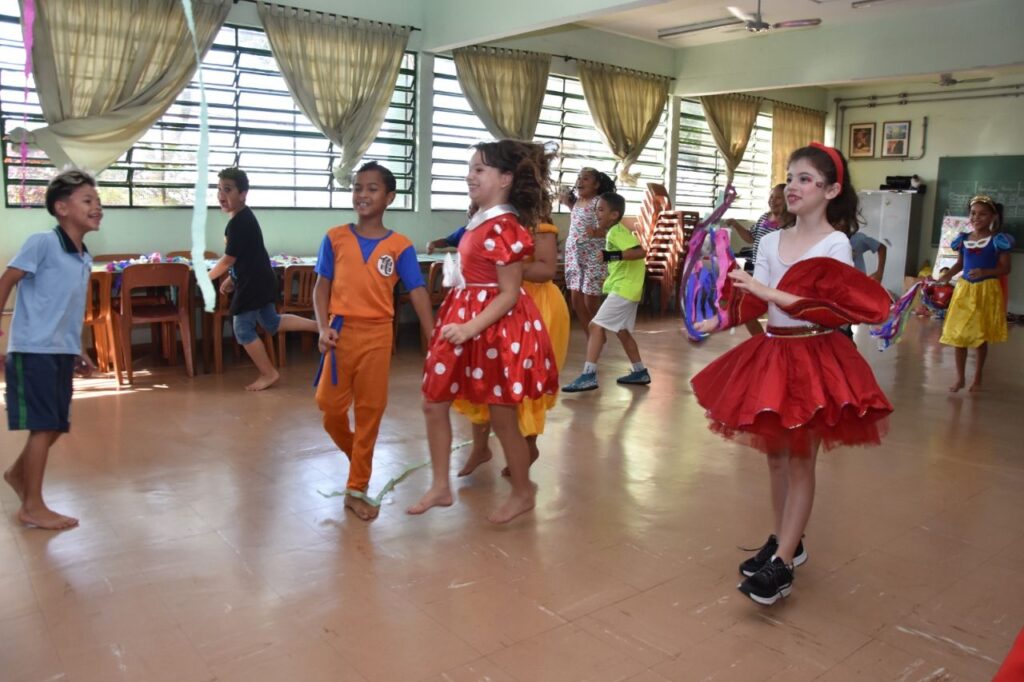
(894,219)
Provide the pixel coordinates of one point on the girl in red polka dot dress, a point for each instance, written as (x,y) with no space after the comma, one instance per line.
(489,344)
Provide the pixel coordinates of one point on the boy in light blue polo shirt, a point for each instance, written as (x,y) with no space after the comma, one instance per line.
(624,286)
(51,272)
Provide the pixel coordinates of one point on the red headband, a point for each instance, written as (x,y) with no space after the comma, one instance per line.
(833,154)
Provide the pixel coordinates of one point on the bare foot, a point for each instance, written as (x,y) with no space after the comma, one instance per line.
(513,507)
(475,460)
(975,386)
(46,518)
(441,497)
(16,483)
(531,443)
(264,381)
(957,386)
(361,508)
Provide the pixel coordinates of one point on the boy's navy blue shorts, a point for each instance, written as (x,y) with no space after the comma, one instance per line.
(39,391)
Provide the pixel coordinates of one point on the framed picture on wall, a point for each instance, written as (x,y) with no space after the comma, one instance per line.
(896,139)
(862,140)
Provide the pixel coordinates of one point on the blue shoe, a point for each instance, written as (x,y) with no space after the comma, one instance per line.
(584,382)
(641,378)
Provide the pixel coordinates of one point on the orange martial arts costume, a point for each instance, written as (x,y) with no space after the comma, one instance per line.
(363,274)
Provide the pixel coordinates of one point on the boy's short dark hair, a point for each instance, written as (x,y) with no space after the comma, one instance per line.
(615,202)
(237,176)
(390,184)
(64,185)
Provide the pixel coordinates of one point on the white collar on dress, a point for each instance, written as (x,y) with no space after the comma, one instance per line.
(975,244)
(493,212)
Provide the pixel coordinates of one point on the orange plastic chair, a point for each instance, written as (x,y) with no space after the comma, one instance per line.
(131,312)
(99,317)
(298,299)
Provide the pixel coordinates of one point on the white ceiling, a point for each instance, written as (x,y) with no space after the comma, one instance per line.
(644,23)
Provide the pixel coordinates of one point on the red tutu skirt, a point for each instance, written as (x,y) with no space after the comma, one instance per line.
(511,360)
(784,394)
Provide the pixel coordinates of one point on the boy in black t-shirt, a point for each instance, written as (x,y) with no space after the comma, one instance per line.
(252,278)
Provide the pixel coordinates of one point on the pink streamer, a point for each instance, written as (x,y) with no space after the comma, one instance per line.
(28,20)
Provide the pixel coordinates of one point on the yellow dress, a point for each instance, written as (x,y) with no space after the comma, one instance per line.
(977,311)
(555,314)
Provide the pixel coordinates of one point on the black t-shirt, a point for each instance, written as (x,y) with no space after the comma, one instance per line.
(255,281)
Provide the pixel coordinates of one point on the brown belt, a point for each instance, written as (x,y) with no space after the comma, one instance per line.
(798,332)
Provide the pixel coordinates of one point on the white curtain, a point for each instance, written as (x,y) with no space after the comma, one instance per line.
(340,71)
(505,88)
(106,70)
(627,106)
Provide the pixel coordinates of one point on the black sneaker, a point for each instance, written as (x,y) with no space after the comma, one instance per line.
(773,582)
(767,550)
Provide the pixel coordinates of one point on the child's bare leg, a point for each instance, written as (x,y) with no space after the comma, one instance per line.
(531,445)
(593,304)
(595,342)
(34,511)
(505,422)
(361,508)
(579,306)
(15,475)
(481,450)
(778,473)
(268,375)
(980,355)
(296,323)
(629,345)
(961,369)
(439,437)
(799,500)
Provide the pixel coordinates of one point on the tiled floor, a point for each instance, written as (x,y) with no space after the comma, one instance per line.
(206,551)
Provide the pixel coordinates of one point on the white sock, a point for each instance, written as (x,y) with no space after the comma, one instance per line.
(638,367)
(590,368)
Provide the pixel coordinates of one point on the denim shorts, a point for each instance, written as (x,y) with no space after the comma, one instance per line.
(245,323)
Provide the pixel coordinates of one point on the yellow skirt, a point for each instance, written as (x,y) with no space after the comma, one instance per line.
(555,315)
(976,315)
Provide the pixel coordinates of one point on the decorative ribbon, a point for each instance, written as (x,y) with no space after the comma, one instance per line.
(452,272)
(889,332)
(28,20)
(390,485)
(700,289)
(202,180)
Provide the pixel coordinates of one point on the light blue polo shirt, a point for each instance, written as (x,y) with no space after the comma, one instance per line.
(50,305)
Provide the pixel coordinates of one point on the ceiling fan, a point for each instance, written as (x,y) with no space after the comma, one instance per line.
(754,23)
(946,80)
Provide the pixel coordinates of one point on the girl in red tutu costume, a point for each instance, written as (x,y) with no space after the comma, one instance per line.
(489,345)
(800,385)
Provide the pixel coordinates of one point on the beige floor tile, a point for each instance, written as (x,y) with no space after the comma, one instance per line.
(207,550)
(566,653)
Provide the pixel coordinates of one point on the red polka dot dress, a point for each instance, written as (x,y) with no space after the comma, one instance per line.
(510,360)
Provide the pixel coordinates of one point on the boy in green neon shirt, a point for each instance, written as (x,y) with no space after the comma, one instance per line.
(624,286)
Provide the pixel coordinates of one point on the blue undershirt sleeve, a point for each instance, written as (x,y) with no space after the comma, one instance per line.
(409,269)
(325,259)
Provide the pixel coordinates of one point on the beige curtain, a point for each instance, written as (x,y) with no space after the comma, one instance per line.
(731,119)
(505,88)
(106,70)
(626,106)
(340,71)
(792,128)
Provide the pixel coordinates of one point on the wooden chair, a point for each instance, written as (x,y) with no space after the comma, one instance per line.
(435,284)
(213,332)
(131,312)
(208,255)
(298,299)
(99,317)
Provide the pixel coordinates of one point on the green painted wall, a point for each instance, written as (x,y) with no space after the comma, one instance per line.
(977,127)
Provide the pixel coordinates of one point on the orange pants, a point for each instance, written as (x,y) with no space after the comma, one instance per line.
(363,357)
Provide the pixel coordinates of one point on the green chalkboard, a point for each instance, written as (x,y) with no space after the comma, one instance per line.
(1000,177)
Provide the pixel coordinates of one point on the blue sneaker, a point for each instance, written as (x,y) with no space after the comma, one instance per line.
(641,378)
(584,382)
